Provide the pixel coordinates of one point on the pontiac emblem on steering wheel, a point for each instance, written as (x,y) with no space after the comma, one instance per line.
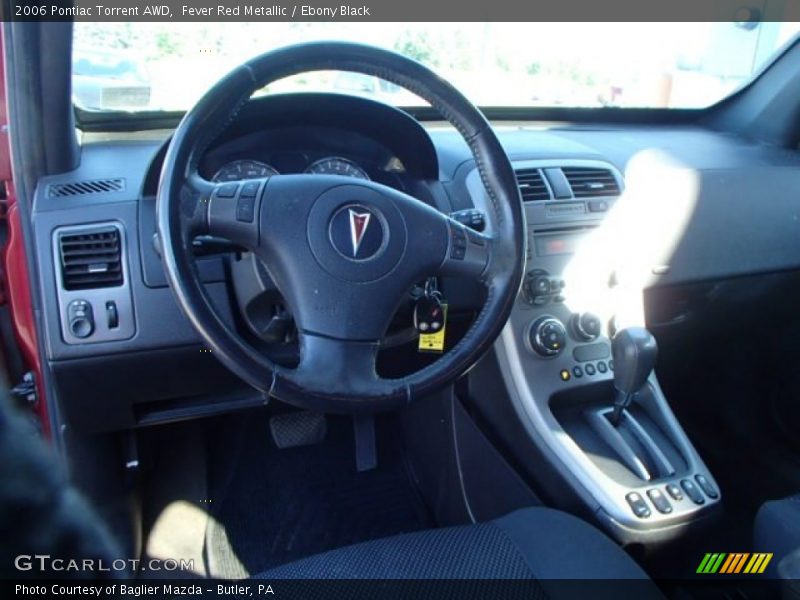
(357,232)
(358,227)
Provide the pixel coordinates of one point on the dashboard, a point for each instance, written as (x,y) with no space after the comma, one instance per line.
(733,229)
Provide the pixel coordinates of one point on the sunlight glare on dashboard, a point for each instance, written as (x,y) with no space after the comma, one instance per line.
(619,259)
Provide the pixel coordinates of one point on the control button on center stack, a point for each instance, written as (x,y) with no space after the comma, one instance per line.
(674,491)
(586,327)
(692,491)
(660,501)
(708,488)
(547,336)
(638,505)
(541,285)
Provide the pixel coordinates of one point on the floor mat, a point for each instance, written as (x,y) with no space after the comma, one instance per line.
(271,506)
(174,511)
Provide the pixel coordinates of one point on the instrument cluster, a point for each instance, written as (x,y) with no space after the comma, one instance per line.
(242,169)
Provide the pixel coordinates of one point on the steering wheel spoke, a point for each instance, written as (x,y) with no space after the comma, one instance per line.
(468,252)
(345,368)
(232,210)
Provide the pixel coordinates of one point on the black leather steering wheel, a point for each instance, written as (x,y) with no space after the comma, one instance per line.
(343,252)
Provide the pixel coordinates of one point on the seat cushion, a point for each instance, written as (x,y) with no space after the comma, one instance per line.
(532,544)
(777,529)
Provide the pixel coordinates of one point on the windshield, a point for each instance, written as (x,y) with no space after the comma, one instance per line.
(162,66)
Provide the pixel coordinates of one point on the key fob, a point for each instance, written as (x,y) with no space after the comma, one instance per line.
(429,314)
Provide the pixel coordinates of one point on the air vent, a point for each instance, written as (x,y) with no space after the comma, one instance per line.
(531,185)
(90,258)
(590,182)
(79,188)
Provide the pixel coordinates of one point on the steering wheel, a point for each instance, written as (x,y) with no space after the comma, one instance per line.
(343,252)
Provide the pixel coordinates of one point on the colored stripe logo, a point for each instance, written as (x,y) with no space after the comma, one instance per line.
(734,562)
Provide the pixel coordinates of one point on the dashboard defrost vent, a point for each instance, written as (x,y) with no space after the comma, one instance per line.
(90,258)
(79,188)
(590,182)
(532,187)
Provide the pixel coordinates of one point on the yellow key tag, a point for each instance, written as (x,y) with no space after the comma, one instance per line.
(434,342)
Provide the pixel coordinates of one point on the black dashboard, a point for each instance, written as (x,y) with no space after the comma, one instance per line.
(742,219)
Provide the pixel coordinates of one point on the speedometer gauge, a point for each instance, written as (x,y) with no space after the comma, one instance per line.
(334,165)
(239,170)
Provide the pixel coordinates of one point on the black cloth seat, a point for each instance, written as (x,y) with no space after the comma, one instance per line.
(777,530)
(539,544)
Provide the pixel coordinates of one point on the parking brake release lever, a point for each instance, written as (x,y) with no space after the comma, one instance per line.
(635,351)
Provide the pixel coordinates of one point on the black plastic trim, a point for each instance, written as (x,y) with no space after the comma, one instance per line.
(120,121)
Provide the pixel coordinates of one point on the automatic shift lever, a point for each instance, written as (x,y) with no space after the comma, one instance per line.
(635,351)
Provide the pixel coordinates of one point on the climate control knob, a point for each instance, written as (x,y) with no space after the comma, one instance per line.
(586,326)
(547,336)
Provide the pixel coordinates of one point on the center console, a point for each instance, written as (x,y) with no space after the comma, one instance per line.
(634,467)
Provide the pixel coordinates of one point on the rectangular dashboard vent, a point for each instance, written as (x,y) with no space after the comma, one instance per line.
(79,188)
(90,258)
(589,182)
(532,187)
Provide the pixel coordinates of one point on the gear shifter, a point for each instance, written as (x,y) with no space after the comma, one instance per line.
(635,351)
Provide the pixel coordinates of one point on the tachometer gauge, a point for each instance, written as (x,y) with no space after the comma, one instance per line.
(334,165)
(239,170)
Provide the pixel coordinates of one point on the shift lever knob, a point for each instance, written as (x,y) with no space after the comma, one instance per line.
(635,351)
